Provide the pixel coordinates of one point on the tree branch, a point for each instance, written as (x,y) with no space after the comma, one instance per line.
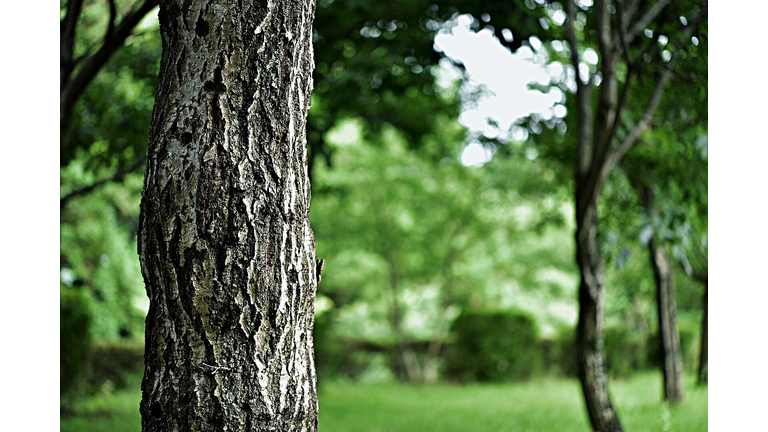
(625,91)
(640,126)
(111,23)
(582,97)
(633,68)
(67,39)
(572,41)
(118,176)
(606,108)
(622,31)
(74,88)
(699,276)
(644,121)
(646,19)
(629,13)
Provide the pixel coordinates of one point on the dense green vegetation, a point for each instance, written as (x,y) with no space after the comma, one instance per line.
(460,277)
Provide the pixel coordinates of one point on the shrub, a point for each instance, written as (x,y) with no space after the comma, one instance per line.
(75,337)
(494,346)
(115,364)
(564,353)
(625,351)
(333,358)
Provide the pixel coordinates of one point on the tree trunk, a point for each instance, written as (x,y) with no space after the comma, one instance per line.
(703,366)
(226,250)
(671,354)
(591,326)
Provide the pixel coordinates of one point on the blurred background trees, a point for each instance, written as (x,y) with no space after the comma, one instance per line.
(435,270)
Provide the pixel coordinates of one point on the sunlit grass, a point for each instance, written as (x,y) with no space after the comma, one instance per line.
(116,412)
(541,405)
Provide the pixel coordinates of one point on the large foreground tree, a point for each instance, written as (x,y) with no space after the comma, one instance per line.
(226,249)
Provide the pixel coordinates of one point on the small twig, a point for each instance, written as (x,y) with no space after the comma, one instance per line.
(319,270)
(215,368)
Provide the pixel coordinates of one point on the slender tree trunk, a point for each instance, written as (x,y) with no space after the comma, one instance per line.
(672,357)
(591,326)
(666,305)
(703,366)
(226,249)
(598,153)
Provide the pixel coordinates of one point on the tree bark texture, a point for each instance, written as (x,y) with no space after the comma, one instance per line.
(591,325)
(226,249)
(666,306)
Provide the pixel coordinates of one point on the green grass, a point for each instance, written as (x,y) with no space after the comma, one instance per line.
(542,405)
(115,412)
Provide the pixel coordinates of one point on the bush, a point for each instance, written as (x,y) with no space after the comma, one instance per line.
(564,353)
(75,337)
(85,365)
(333,358)
(494,346)
(625,351)
(115,364)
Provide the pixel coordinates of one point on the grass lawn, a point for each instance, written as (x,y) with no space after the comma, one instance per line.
(541,405)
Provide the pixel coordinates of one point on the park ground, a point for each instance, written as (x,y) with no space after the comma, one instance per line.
(545,404)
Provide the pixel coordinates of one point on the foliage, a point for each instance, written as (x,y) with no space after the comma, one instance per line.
(376,61)
(110,120)
(333,358)
(563,353)
(110,125)
(409,242)
(75,337)
(98,255)
(625,351)
(494,346)
(115,364)
(411,237)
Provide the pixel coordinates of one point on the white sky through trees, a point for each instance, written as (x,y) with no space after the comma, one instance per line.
(504,78)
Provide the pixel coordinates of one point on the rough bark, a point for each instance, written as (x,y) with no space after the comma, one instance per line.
(666,306)
(226,250)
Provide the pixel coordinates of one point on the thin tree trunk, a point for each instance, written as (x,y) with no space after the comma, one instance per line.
(703,365)
(226,249)
(672,357)
(591,159)
(591,326)
(598,153)
(703,278)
